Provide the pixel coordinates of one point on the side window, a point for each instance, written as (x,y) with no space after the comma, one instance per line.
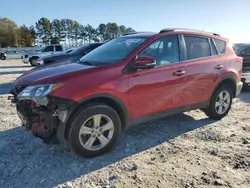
(48,49)
(197,47)
(221,46)
(246,51)
(213,48)
(164,50)
(58,48)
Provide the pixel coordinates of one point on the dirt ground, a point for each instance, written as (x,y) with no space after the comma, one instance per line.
(186,150)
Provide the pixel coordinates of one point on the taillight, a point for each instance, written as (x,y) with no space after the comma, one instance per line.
(239,59)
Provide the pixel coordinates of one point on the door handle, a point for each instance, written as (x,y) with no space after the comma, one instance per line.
(218,67)
(179,73)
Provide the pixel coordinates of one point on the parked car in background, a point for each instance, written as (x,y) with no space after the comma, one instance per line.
(243,50)
(129,80)
(13,54)
(33,56)
(73,55)
(2,56)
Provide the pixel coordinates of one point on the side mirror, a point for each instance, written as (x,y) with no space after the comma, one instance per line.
(144,62)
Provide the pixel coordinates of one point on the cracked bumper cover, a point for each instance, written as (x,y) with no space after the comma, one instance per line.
(43,116)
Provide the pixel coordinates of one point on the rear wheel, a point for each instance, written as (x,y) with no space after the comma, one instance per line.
(95,130)
(220,103)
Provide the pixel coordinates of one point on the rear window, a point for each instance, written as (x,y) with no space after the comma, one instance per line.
(221,45)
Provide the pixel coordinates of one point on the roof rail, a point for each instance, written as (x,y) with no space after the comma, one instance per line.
(185,29)
(131,33)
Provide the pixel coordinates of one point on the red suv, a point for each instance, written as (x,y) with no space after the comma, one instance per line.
(129,80)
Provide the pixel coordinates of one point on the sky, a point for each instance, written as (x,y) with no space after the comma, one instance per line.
(230,18)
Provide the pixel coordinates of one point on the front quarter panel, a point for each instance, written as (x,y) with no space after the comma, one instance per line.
(106,81)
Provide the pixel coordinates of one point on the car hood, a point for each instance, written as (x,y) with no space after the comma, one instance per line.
(55,56)
(51,73)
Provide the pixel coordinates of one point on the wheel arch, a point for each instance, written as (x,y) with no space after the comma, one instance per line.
(107,99)
(230,81)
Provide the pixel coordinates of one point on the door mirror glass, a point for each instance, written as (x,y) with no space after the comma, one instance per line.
(144,62)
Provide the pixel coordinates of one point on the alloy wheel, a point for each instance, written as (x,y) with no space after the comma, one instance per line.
(96,132)
(222,102)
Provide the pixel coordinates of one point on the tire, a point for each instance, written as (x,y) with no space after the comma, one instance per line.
(3,58)
(213,111)
(32,62)
(85,116)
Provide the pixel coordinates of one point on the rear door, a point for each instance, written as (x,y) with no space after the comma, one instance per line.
(201,61)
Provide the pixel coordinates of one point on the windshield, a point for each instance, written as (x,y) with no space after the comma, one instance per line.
(112,51)
(79,50)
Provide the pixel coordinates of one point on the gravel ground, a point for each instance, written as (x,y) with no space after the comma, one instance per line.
(186,150)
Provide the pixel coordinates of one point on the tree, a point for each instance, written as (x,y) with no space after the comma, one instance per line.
(129,29)
(69,29)
(43,27)
(76,34)
(7,32)
(101,31)
(64,30)
(90,33)
(25,37)
(58,32)
(122,29)
(112,30)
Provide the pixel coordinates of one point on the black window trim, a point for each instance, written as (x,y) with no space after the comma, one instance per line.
(196,36)
(211,42)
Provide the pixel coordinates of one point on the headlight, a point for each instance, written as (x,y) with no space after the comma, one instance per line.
(37,91)
(39,62)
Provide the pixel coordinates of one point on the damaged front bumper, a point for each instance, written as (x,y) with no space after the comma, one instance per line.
(43,116)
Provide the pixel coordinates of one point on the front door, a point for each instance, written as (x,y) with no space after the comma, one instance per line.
(155,91)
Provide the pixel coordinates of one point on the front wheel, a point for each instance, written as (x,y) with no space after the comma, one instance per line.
(95,130)
(32,62)
(3,58)
(220,103)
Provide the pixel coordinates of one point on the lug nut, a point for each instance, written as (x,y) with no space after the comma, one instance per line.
(100,129)
(99,135)
(92,131)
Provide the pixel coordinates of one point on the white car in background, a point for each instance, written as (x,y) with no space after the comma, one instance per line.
(31,57)
(12,54)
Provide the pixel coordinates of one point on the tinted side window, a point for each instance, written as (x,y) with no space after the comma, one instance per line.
(164,50)
(221,46)
(197,47)
(48,49)
(58,48)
